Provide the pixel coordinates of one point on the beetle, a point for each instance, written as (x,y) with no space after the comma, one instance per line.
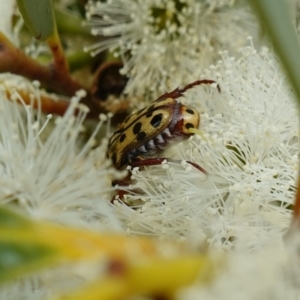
(145,133)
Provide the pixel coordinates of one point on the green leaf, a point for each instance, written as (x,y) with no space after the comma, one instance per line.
(29,245)
(71,24)
(276,18)
(38,16)
(10,219)
(150,277)
(21,258)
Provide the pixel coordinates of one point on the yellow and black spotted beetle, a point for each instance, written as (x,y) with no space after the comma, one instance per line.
(148,131)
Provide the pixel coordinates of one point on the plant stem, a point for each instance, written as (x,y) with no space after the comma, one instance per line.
(15,61)
(60,62)
(48,104)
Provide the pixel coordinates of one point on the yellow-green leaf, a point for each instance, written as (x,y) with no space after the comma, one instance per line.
(10,219)
(35,245)
(135,265)
(21,258)
(152,277)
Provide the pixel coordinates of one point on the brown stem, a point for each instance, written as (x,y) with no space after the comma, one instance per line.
(55,77)
(60,62)
(15,61)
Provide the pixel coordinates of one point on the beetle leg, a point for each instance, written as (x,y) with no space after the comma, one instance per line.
(179,92)
(157,161)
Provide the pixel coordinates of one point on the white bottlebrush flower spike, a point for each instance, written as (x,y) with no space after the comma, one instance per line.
(249,144)
(161,42)
(53,178)
(272,274)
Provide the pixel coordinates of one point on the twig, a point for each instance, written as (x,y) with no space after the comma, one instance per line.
(54,77)
(48,104)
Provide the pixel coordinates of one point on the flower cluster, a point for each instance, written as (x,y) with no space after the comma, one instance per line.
(270,274)
(45,168)
(161,42)
(248,143)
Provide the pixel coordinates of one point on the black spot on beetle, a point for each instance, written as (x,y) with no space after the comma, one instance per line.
(156,120)
(125,161)
(137,127)
(114,158)
(141,135)
(190,111)
(122,137)
(189,125)
(149,114)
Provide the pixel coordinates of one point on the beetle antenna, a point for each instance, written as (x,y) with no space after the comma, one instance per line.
(179,92)
(199,82)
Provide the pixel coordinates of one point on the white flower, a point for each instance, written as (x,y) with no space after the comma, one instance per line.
(161,42)
(271,274)
(249,145)
(52,176)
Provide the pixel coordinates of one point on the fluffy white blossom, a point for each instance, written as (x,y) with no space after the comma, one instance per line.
(272,273)
(161,42)
(52,176)
(248,143)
